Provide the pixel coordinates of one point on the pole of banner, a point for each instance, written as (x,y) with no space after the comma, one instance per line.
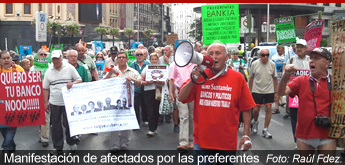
(6,43)
(129,94)
(138,23)
(268,22)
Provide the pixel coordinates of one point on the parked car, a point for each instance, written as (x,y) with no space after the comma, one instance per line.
(253,55)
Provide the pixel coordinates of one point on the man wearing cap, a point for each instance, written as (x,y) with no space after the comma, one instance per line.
(111,61)
(315,91)
(87,62)
(16,59)
(301,62)
(8,133)
(60,75)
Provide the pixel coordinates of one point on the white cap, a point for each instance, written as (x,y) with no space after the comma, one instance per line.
(56,54)
(301,42)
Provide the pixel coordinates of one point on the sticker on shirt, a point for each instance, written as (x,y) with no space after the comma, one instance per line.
(294,102)
(215,96)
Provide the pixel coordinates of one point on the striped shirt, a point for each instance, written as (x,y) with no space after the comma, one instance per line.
(54,80)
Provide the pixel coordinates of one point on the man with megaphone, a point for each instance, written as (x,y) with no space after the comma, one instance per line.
(217,104)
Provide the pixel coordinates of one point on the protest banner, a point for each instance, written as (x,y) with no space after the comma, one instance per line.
(285,31)
(56,47)
(21,99)
(338,82)
(313,34)
(156,73)
(131,56)
(171,39)
(98,46)
(24,50)
(100,68)
(100,106)
(220,22)
(294,102)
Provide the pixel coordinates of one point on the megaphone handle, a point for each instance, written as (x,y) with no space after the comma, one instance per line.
(203,75)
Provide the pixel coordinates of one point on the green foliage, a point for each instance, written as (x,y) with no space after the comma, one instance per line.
(101,30)
(72,29)
(148,32)
(114,31)
(128,32)
(196,29)
(323,43)
(54,28)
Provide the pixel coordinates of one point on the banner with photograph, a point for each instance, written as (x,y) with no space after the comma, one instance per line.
(313,34)
(21,99)
(100,106)
(337,129)
(100,68)
(24,50)
(157,73)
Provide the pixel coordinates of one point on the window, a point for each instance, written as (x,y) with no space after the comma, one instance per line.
(326,4)
(326,22)
(9,8)
(337,4)
(27,8)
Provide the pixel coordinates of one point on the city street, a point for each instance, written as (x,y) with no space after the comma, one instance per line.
(27,137)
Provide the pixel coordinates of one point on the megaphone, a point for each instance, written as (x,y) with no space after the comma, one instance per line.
(185,54)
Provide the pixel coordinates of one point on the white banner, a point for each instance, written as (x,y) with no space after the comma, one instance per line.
(156,73)
(100,106)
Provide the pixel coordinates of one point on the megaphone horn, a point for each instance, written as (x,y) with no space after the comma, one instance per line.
(185,54)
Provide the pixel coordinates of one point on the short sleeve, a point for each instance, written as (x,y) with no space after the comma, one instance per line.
(294,86)
(191,96)
(246,102)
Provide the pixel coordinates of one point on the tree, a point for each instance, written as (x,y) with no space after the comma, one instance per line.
(128,33)
(323,43)
(72,29)
(196,29)
(114,32)
(148,33)
(101,31)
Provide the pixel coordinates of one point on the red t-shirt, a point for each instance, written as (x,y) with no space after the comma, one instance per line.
(217,105)
(305,127)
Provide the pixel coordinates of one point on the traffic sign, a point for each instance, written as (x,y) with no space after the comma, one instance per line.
(41,27)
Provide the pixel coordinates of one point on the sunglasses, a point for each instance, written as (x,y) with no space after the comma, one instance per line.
(121,57)
(45,55)
(99,57)
(263,55)
(139,54)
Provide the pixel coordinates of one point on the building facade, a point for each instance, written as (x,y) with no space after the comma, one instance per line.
(16,21)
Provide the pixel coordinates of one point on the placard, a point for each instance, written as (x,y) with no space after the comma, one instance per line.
(338,81)
(98,46)
(21,99)
(156,73)
(220,22)
(24,50)
(100,106)
(285,31)
(100,67)
(131,56)
(294,102)
(313,34)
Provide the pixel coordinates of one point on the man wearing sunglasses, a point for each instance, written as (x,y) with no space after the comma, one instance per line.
(41,64)
(263,85)
(139,66)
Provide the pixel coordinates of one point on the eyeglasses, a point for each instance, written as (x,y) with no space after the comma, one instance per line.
(99,57)
(121,57)
(42,54)
(139,54)
(263,55)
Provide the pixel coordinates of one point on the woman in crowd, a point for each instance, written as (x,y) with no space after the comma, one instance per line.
(25,64)
(151,103)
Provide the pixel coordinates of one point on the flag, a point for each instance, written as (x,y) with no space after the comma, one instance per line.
(16,50)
